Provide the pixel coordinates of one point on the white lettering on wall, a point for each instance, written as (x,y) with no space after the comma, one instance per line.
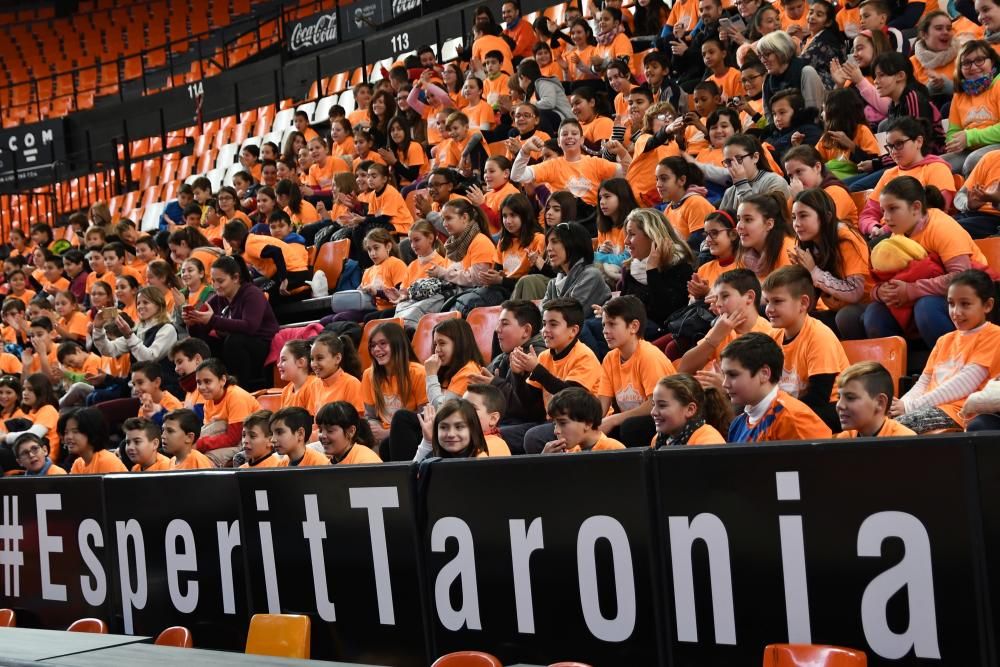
(134,593)
(314,530)
(376,500)
(183,560)
(620,627)
(94,587)
(48,544)
(793,562)
(523,542)
(710,529)
(462,568)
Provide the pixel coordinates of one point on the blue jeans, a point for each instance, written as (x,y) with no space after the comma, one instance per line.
(930,314)
(863,182)
(984,423)
(979,225)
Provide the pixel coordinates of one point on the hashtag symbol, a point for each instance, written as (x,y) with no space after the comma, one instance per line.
(11,557)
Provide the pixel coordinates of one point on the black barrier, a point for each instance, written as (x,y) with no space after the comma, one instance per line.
(694,556)
(30,153)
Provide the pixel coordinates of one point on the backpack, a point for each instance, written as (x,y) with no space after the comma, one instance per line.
(350,276)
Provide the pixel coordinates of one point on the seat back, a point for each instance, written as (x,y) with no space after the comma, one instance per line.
(94,625)
(177,635)
(812,655)
(280,635)
(484,324)
(423,338)
(860,199)
(7,618)
(363,354)
(889,351)
(991,248)
(569,664)
(467,659)
(330,260)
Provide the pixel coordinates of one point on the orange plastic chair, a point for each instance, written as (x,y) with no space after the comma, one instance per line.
(467,659)
(812,655)
(991,248)
(330,260)
(363,354)
(279,635)
(890,352)
(269,401)
(569,664)
(860,199)
(177,636)
(484,323)
(7,618)
(93,625)
(423,338)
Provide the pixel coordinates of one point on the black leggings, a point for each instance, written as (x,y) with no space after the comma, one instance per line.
(404,437)
(244,357)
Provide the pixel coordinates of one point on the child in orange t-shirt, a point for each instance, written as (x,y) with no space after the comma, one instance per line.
(388,271)
(384,199)
(32,453)
(813,356)
(345,435)
(521,239)
(576,423)
(73,324)
(490,405)
(679,184)
(978,199)
(456,359)
(335,362)
(751,368)
(181,428)
(866,394)
(303,389)
(684,413)
(17,283)
(290,428)
(142,444)
(631,368)
(257,449)
(395,381)
(715,55)
(226,406)
(961,362)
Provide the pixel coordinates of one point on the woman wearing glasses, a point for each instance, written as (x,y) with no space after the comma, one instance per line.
(907,145)
(785,69)
(974,120)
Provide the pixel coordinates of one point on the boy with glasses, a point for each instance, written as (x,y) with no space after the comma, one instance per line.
(32,453)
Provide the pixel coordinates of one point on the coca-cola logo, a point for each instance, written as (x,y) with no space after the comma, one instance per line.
(314,32)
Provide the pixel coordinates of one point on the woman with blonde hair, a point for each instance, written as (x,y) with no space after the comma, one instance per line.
(661,264)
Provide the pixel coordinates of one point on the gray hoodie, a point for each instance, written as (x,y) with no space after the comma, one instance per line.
(550,94)
(584,283)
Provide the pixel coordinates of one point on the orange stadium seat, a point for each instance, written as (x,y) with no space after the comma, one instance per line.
(812,655)
(363,354)
(92,625)
(890,352)
(279,635)
(467,659)
(483,322)
(423,342)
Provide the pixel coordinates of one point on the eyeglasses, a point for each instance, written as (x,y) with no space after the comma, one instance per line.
(749,79)
(29,452)
(974,62)
(896,146)
(714,233)
(727,163)
(524,115)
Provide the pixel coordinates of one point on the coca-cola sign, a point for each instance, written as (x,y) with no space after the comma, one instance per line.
(318,31)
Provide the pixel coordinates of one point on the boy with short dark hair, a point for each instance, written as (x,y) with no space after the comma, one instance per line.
(201,189)
(76,362)
(495,82)
(192,215)
(751,369)
(257,448)
(181,429)
(114,258)
(187,355)
(630,370)
(32,452)
(42,356)
(142,442)
(173,213)
(576,416)
(52,279)
(490,406)
(866,391)
(154,402)
(281,228)
(14,315)
(566,363)
(290,427)
(737,299)
(813,355)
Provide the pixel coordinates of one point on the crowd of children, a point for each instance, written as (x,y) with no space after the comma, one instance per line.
(680,213)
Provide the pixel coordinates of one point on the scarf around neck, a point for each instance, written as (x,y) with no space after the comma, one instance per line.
(456,246)
(664,440)
(605,38)
(935,59)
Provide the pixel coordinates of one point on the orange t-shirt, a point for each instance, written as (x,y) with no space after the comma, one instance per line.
(849,20)
(620,46)
(787,418)
(497,446)
(272,460)
(937,174)
(956,350)
(581,178)
(847,210)
(684,13)
(55,470)
(573,56)
(494,88)
(890,429)
(9,364)
(972,112)
(341,386)
(60,285)
(854,255)
(523,36)
(863,138)
(630,383)
(415,157)
(706,434)
(161,463)
(310,458)
(481,251)
(448,152)
(782,259)
(235,406)
(642,172)
(579,366)
(359,116)
(24,297)
(358,455)
(598,129)
(760,325)
(391,399)
(603,444)
(345,147)
(515,258)
(36,360)
(322,177)
(77,323)
(390,273)
(710,271)
(418,268)
(494,198)
(944,236)
(985,174)
(815,351)
(459,382)
(195,460)
(307,214)
(205,256)
(295,254)
(390,203)
(729,83)
(305,397)
(481,116)
(101,462)
(688,216)
(486,43)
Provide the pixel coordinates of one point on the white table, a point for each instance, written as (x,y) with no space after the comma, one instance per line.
(32,644)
